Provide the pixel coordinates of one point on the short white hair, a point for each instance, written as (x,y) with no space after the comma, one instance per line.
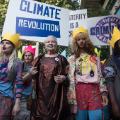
(50,37)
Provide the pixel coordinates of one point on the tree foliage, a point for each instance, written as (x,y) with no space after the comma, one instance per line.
(3,9)
(70,4)
(98,12)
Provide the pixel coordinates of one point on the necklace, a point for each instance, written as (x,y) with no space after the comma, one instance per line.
(84,65)
(52,55)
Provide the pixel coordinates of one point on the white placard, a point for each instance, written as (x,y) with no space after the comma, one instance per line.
(77,18)
(100,28)
(35,21)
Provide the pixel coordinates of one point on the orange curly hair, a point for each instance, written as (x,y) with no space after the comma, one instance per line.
(88,48)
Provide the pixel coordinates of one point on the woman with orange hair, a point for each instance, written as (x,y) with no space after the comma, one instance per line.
(84,92)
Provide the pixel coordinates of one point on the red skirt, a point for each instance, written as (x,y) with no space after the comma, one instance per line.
(88,96)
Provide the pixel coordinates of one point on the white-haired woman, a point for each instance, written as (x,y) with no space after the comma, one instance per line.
(51,84)
(10,77)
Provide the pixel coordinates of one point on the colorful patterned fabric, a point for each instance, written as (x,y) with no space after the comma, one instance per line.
(27,86)
(115,79)
(9,79)
(6,105)
(51,102)
(79,71)
(88,96)
(24,114)
(72,92)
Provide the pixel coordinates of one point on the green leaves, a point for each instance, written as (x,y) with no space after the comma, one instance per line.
(62,3)
(3,10)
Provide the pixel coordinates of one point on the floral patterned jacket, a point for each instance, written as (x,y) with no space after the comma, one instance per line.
(72,77)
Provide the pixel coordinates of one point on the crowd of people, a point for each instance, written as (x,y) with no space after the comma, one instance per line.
(52,87)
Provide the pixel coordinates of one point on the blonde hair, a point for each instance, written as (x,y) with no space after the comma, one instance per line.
(1,54)
(88,48)
(11,58)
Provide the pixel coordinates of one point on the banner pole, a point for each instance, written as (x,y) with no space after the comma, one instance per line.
(37,49)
